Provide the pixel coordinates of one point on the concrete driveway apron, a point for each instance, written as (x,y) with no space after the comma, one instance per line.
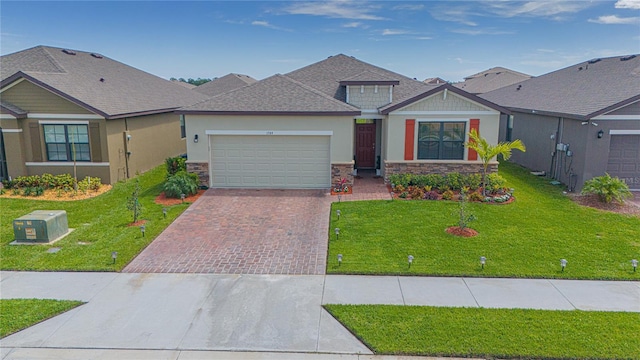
(228,231)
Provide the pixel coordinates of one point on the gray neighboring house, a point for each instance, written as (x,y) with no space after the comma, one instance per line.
(578,122)
(492,79)
(224,84)
(116,120)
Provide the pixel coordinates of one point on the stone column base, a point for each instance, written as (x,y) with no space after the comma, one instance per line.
(442,168)
(202,170)
(342,171)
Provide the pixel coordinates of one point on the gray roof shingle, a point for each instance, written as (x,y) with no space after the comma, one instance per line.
(225,84)
(491,79)
(102,85)
(583,90)
(277,94)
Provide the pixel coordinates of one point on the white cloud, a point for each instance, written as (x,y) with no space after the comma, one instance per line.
(341,9)
(354,24)
(386,32)
(546,50)
(475,32)
(267,25)
(410,7)
(536,8)
(615,19)
(454,13)
(423,38)
(628,4)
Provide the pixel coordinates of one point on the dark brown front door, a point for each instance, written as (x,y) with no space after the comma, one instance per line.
(365,146)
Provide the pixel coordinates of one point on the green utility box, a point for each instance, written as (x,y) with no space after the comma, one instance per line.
(40,226)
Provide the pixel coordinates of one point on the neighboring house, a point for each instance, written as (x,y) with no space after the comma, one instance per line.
(224,84)
(116,119)
(578,122)
(435,81)
(316,125)
(492,79)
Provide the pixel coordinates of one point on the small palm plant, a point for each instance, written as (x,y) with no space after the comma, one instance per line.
(488,152)
(607,188)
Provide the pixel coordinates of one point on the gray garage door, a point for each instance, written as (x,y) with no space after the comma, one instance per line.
(624,159)
(280,162)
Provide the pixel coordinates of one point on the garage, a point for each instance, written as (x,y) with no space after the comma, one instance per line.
(277,160)
(624,159)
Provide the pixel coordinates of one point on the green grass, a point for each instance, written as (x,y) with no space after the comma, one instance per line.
(100,227)
(526,238)
(18,314)
(493,333)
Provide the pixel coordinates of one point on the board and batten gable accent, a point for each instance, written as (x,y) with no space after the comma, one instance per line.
(474,124)
(409,138)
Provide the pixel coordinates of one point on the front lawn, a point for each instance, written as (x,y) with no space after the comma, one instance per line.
(18,314)
(526,238)
(492,333)
(101,227)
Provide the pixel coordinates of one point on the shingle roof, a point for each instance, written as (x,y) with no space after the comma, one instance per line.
(491,79)
(225,84)
(277,94)
(184,84)
(583,90)
(95,82)
(7,107)
(326,75)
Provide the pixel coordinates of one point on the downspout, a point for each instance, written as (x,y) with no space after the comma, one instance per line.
(553,170)
(126,148)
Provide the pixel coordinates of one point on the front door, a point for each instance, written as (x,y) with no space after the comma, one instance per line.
(365,146)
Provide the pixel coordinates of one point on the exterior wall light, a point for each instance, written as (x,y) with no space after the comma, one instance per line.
(195,138)
(600,134)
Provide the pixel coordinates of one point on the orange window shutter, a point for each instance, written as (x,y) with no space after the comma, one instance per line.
(409,138)
(473,124)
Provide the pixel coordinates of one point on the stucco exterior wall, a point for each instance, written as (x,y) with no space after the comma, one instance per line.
(341,140)
(438,102)
(366,97)
(35,99)
(13,135)
(153,138)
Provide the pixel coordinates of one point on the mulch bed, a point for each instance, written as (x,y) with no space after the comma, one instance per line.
(593,202)
(138,223)
(349,191)
(163,200)
(457,231)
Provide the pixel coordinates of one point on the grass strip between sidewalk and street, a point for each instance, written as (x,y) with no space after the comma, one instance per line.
(492,333)
(19,314)
(524,239)
(101,226)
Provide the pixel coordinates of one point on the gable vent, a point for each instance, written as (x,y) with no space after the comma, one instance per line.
(593,61)
(97,56)
(625,58)
(68,52)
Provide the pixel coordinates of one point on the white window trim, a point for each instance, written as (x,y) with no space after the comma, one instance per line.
(64,116)
(66,163)
(624,132)
(11,131)
(269,132)
(616,117)
(445,113)
(70,122)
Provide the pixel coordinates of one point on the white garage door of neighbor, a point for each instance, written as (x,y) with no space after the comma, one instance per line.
(624,159)
(271,161)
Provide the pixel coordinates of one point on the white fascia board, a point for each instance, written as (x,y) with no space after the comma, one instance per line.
(269,132)
(4,131)
(442,113)
(624,132)
(64,116)
(442,120)
(60,122)
(66,163)
(11,85)
(7,117)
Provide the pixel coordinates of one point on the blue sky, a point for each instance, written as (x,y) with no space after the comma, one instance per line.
(421,39)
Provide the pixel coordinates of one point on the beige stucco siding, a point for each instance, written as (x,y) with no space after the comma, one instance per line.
(153,139)
(436,108)
(366,97)
(14,146)
(341,141)
(35,99)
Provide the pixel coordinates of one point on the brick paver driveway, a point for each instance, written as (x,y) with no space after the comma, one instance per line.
(244,232)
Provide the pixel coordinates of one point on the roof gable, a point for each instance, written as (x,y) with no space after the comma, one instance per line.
(277,94)
(107,87)
(224,84)
(583,90)
(491,79)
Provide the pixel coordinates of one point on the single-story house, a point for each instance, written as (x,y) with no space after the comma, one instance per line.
(578,122)
(321,123)
(491,79)
(224,84)
(57,105)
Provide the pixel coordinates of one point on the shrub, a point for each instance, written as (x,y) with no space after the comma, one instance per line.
(607,188)
(447,195)
(494,182)
(89,183)
(473,181)
(48,181)
(38,191)
(399,188)
(454,181)
(175,165)
(476,196)
(430,195)
(416,193)
(181,183)
(63,181)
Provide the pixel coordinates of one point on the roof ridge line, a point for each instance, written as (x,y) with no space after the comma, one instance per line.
(317,92)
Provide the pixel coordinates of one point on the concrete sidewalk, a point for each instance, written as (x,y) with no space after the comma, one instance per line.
(186,316)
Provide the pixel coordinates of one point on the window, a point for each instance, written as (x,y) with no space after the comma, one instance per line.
(441,140)
(183,129)
(64,142)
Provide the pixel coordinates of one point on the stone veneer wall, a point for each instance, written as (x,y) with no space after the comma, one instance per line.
(442,168)
(340,171)
(202,169)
